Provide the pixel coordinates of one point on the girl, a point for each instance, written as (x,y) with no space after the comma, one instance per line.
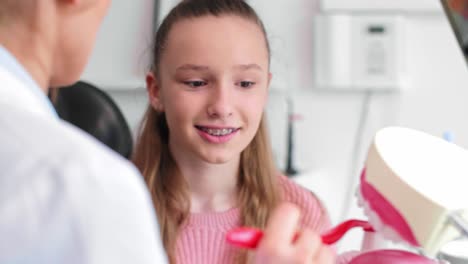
(203,147)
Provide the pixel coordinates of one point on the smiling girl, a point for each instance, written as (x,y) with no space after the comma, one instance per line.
(203,147)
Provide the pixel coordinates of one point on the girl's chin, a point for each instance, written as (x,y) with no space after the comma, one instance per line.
(217,159)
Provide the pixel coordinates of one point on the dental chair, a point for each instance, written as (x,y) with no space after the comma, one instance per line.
(94,111)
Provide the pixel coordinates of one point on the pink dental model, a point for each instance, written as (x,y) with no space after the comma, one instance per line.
(413,189)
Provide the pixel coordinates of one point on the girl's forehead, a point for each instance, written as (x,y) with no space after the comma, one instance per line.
(220,20)
(211,28)
(220,37)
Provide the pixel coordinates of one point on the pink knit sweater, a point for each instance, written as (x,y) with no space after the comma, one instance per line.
(202,239)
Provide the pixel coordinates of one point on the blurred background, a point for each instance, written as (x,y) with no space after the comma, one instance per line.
(342,69)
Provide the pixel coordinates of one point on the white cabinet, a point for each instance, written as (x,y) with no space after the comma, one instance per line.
(424,6)
(359,52)
(123,46)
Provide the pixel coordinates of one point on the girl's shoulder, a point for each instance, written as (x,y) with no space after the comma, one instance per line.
(314,213)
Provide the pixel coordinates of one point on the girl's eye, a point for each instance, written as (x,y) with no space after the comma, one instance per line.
(246,84)
(195,84)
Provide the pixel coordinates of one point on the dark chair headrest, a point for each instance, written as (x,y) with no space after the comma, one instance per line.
(93,111)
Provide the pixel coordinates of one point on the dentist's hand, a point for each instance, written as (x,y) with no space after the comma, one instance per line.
(277,245)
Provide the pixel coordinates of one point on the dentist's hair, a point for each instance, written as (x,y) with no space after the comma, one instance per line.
(257,183)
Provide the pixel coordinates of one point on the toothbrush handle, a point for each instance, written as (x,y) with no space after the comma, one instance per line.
(247,237)
(333,235)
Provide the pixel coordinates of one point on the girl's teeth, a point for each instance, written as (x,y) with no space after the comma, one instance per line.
(218,132)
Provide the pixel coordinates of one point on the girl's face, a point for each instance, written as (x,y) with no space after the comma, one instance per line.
(213,85)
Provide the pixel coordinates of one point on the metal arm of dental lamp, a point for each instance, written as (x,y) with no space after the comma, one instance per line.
(459,223)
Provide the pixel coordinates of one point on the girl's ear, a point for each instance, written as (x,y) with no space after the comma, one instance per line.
(268,86)
(154,92)
(269,79)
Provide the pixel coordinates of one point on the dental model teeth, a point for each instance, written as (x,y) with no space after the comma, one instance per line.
(380,227)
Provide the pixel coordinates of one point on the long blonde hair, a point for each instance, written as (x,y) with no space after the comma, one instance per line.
(257,182)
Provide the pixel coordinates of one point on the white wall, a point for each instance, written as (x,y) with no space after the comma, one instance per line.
(120,56)
(326,149)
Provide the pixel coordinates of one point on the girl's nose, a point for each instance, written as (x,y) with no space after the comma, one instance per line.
(220,103)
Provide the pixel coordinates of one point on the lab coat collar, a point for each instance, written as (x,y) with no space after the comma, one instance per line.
(15,94)
(18,89)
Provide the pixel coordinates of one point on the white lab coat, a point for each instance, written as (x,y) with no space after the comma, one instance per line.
(64,197)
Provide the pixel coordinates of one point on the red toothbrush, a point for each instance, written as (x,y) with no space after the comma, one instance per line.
(247,237)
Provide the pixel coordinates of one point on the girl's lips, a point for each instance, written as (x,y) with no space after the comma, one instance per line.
(216,127)
(216,139)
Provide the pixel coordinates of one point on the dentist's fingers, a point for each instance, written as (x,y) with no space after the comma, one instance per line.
(326,255)
(307,246)
(277,245)
(280,231)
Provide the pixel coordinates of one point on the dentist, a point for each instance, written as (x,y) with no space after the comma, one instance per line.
(64,197)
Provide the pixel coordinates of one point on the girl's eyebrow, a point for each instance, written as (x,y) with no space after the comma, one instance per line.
(195,67)
(245,67)
(192,67)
